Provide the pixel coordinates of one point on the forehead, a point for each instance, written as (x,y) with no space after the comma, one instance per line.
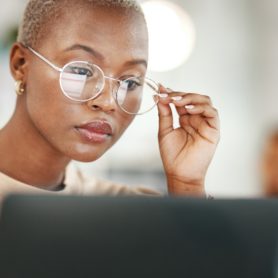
(113,31)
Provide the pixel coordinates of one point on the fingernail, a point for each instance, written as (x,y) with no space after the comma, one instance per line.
(189,107)
(176,98)
(163,95)
(169,90)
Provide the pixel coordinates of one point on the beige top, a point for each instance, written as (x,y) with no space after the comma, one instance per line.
(75,184)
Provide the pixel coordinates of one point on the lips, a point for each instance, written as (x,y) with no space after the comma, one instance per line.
(96,132)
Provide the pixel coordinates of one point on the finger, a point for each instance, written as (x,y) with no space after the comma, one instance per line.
(163,95)
(196,124)
(209,113)
(165,118)
(164,112)
(180,100)
(182,111)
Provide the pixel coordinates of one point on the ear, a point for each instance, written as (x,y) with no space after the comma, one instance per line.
(19,62)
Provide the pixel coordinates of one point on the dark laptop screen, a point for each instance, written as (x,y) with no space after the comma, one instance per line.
(43,236)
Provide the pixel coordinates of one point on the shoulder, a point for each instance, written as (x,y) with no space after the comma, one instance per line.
(83,184)
(104,187)
(10,186)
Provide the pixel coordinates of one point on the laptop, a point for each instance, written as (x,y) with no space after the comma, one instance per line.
(126,237)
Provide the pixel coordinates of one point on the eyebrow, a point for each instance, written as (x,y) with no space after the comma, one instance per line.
(101,57)
(87,49)
(137,62)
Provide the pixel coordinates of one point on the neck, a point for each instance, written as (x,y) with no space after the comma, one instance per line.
(27,156)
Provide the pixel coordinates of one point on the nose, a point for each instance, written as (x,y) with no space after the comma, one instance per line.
(105,101)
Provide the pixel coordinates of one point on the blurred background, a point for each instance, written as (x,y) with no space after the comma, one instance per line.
(222,48)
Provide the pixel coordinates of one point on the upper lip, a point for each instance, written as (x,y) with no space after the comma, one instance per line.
(97,126)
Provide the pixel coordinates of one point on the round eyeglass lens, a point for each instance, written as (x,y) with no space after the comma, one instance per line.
(136,96)
(81,81)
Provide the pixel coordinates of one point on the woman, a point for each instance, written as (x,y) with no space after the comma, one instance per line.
(79,68)
(269,165)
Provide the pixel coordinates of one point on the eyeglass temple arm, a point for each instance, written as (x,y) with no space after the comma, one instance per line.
(44,59)
(155,87)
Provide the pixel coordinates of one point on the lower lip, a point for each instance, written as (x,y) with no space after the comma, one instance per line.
(92,137)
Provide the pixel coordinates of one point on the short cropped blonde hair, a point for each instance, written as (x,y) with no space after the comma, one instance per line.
(39,13)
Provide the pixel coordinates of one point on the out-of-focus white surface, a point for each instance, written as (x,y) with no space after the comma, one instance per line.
(235,62)
(168,23)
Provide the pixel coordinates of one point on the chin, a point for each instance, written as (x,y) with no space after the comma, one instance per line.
(87,153)
(86,159)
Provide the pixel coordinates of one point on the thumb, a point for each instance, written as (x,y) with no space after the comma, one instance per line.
(165,115)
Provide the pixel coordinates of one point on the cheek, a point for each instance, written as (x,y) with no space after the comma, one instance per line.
(124,120)
(46,105)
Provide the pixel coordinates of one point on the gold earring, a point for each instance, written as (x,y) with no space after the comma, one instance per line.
(18,88)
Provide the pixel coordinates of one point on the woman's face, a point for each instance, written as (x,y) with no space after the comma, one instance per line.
(118,44)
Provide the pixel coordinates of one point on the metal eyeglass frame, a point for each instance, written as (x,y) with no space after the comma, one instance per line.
(149,81)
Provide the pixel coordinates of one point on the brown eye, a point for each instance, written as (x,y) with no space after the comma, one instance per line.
(132,84)
(82,71)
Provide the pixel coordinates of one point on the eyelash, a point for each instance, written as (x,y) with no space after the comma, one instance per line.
(135,82)
(89,73)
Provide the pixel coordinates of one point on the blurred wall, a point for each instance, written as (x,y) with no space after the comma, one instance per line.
(235,62)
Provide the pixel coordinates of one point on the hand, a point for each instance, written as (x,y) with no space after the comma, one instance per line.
(187,150)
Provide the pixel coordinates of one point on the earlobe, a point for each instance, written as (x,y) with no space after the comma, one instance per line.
(18,88)
(18,62)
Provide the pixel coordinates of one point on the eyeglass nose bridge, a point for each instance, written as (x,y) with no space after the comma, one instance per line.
(114,86)
(101,88)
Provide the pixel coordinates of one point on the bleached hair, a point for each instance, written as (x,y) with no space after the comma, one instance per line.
(39,13)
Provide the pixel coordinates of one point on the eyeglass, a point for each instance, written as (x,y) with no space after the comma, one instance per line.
(82,81)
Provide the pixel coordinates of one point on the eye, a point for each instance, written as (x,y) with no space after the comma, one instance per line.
(132,84)
(82,71)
